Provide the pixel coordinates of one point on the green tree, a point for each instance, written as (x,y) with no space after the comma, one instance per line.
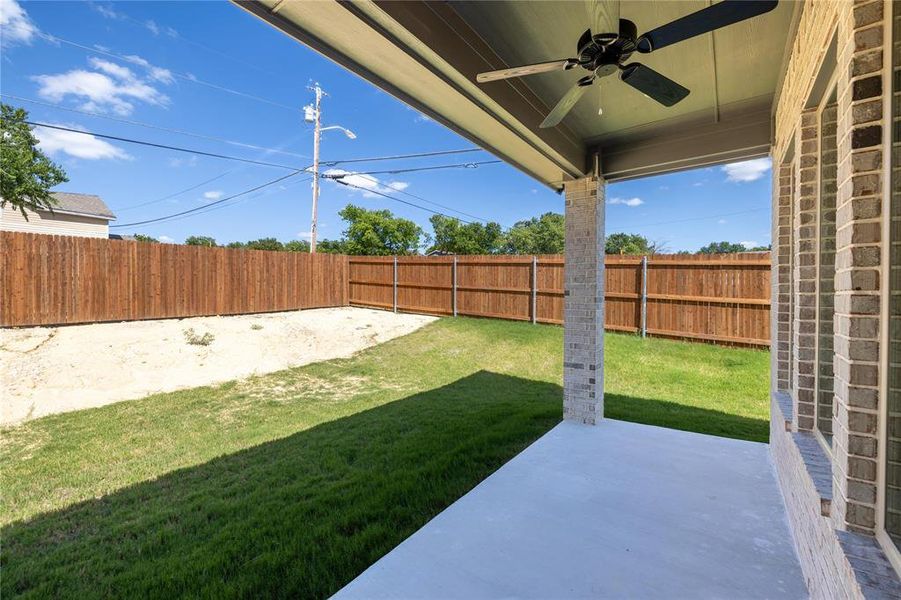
(455,237)
(265,244)
(331,247)
(297,246)
(200,240)
(26,174)
(629,243)
(235,245)
(727,248)
(140,237)
(378,232)
(538,235)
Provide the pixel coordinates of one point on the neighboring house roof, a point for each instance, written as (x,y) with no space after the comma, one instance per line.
(81,204)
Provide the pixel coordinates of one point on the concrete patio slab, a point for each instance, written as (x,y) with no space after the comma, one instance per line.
(619,510)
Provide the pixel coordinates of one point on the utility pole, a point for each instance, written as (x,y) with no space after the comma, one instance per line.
(313,114)
(317,133)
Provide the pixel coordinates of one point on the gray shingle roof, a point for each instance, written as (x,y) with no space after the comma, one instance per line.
(83,204)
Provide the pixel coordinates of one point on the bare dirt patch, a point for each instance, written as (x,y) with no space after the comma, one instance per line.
(52,370)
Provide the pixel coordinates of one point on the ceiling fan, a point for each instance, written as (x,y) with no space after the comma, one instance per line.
(603,54)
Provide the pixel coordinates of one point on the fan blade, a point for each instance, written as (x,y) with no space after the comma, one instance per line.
(651,83)
(713,17)
(604,16)
(583,42)
(565,104)
(554,65)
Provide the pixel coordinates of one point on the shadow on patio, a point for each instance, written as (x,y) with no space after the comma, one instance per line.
(299,516)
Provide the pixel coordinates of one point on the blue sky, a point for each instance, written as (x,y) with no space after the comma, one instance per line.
(192,65)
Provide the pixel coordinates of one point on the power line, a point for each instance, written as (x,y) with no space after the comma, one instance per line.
(469,165)
(163,146)
(281,166)
(184,76)
(401,156)
(152,126)
(207,206)
(390,187)
(732,214)
(173,195)
(172,33)
(401,201)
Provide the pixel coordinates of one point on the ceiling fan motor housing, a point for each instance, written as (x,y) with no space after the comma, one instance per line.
(602,53)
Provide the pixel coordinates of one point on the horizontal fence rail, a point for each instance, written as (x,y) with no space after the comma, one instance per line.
(716,298)
(52,280)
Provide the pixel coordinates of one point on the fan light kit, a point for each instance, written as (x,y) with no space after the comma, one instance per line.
(603,54)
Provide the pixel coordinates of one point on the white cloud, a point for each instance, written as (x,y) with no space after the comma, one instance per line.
(368,185)
(166,239)
(17,28)
(749,170)
(722,221)
(107,11)
(152,27)
(626,201)
(111,68)
(110,86)
(156,73)
(77,145)
(750,244)
(213,194)
(176,162)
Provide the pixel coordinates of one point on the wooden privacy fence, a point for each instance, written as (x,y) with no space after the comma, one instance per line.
(51,280)
(48,280)
(716,298)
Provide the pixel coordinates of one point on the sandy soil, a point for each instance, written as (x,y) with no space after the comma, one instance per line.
(48,370)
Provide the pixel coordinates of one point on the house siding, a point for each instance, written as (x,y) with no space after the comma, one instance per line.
(53,223)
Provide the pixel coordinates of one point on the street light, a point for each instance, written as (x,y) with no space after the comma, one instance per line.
(350,134)
(313,114)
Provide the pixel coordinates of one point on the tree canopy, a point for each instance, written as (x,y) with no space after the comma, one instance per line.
(538,235)
(378,232)
(296,246)
(452,236)
(729,248)
(200,240)
(269,243)
(140,237)
(26,173)
(630,243)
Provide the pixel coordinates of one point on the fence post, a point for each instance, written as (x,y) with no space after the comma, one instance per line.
(395,284)
(534,289)
(644,296)
(455,285)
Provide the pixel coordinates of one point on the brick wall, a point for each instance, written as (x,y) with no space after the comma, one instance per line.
(783,289)
(583,302)
(805,272)
(836,517)
(826,268)
(827,571)
(858,260)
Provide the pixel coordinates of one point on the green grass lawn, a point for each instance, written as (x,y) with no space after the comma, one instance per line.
(292,483)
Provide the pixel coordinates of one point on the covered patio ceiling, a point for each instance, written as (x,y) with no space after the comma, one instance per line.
(428,54)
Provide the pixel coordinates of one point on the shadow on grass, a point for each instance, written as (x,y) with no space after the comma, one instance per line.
(687,418)
(299,516)
(303,515)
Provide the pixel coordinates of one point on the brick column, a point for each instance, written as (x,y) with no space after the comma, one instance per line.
(861,126)
(780,346)
(583,302)
(805,273)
